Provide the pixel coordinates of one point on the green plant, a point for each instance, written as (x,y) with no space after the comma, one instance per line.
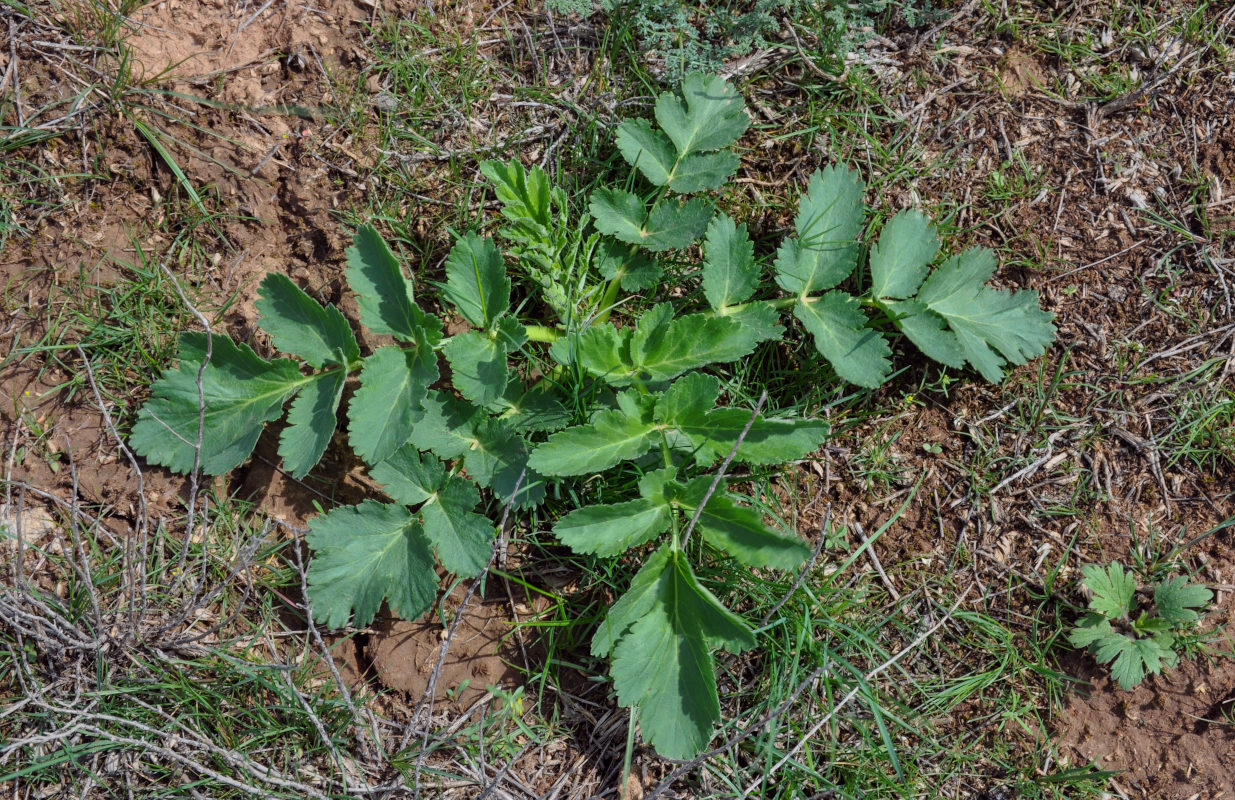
(1137,643)
(530,407)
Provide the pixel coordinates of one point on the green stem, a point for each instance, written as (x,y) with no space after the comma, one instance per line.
(609,298)
(542,333)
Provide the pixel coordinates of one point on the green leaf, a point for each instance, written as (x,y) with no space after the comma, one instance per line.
(634,605)
(991,325)
(695,173)
(928,331)
(663,666)
(300,325)
(476,280)
(1091,629)
(383,293)
(730,274)
(710,114)
(688,400)
(619,214)
(769,440)
(525,196)
(393,382)
(1112,589)
(610,530)
(477,366)
(366,554)
(447,427)
(1132,657)
(661,349)
(760,318)
(670,225)
(408,477)
(635,269)
(649,150)
(311,422)
(900,260)
(535,409)
(859,354)
(830,216)
(602,350)
(463,539)
(675,226)
(1180,602)
(611,438)
(497,458)
(740,531)
(240,392)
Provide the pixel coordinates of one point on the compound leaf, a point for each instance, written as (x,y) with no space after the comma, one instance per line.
(662,348)
(1132,657)
(635,269)
(526,199)
(476,280)
(393,382)
(674,226)
(384,295)
(730,274)
(612,437)
(619,214)
(1180,602)
(858,353)
(311,422)
(900,260)
(300,325)
(991,325)
(1112,589)
(497,458)
(688,400)
(663,665)
(760,318)
(830,216)
(1091,629)
(635,604)
(477,366)
(240,392)
(366,554)
(610,530)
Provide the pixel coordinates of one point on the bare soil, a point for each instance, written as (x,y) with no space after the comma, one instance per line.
(1139,306)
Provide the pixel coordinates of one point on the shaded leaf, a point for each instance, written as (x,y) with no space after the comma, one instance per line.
(365,555)
(477,366)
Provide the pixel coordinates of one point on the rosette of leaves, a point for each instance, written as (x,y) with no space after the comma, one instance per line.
(1136,644)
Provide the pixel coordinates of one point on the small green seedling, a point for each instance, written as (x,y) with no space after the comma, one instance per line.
(1137,643)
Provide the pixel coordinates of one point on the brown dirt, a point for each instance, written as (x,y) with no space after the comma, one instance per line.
(1139,307)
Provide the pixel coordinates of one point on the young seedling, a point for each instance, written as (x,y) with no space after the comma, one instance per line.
(1138,643)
